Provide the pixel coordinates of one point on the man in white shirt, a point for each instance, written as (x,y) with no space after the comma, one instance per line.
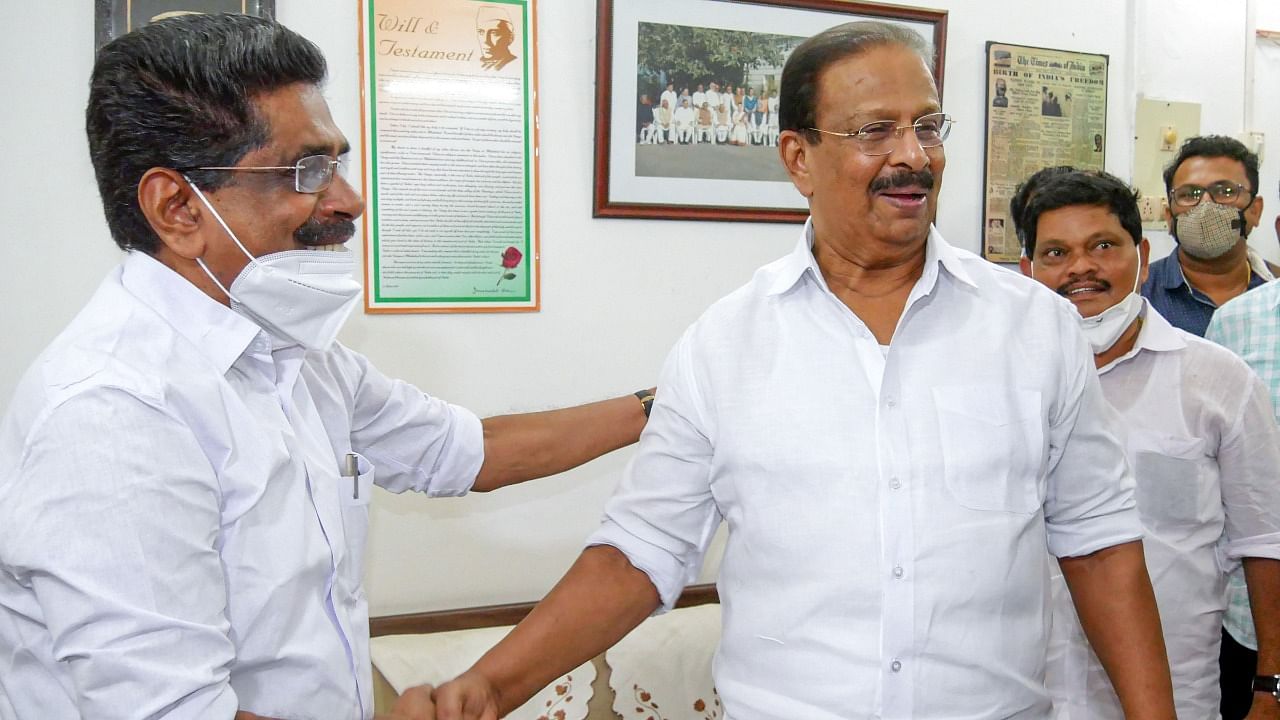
(684,122)
(894,430)
(669,97)
(187,468)
(1197,424)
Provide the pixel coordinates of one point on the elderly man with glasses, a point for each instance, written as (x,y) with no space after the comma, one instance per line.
(185,473)
(894,430)
(1212,187)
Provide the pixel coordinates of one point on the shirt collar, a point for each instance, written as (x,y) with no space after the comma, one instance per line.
(1156,335)
(220,333)
(1171,276)
(938,252)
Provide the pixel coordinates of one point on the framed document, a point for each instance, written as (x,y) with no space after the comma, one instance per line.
(1044,108)
(449,132)
(117,17)
(727,55)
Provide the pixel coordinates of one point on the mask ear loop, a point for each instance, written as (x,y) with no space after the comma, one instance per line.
(232,235)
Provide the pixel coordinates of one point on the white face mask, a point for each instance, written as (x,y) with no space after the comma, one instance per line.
(1104,329)
(300,296)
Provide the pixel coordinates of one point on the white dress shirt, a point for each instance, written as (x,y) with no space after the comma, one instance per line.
(176,539)
(889,513)
(1205,449)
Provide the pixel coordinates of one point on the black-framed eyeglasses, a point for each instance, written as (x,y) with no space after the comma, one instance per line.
(878,138)
(311,174)
(1223,192)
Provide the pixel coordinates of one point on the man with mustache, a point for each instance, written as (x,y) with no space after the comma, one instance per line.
(187,468)
(1198,428)
(894,430)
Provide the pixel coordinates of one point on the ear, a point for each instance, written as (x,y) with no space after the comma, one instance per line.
(1253,214)
(1024,264)
(793,149)
(173,211)
(1144,261)
(1168,217)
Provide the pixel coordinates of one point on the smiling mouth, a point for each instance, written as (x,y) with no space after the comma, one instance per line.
(1084,290)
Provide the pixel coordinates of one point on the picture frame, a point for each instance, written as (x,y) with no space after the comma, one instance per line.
(114,18)
(737,43)
(1044,107)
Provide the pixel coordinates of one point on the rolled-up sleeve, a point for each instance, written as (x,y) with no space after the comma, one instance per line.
(663,515)
(1089,501)
(117,543)
(417,441)
(1249,465)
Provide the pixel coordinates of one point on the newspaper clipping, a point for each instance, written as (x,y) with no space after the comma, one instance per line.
(1044,108)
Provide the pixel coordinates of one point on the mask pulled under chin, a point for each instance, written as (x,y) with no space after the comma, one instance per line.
(299,296)
(1209,230)
(1104,329)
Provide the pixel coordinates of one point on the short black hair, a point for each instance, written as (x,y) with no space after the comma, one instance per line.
(804,67)
(1027,188)
(1080,187)
(180,93)
(1214,146)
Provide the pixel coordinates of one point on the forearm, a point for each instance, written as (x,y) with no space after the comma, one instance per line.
(533,445)
(1262,575)
(600,599)
(1117,608)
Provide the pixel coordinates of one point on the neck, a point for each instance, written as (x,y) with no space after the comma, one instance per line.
(1122,346)
(868,271)
(1220,278)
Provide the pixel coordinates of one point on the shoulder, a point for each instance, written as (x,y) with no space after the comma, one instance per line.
(1260,299)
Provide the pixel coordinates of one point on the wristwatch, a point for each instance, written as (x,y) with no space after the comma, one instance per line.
(1267,684)
(646,400)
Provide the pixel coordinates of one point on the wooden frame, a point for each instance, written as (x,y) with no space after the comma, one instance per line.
(640,192)
(495,615)
(114,18)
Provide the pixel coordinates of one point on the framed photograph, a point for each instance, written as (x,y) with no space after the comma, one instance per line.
(687,102)
(117,17)
(1044,108)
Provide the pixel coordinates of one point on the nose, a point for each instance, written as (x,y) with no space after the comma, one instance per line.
(907,150)
(340,200)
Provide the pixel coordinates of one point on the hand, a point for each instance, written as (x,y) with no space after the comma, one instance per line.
(470,696)
(1264,707)
(414,704)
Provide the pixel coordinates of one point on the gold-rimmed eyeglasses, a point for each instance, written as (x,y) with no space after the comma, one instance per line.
(878,138)
(311,174)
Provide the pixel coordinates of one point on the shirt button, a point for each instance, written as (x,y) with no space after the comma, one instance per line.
(890,402)
(895,483)
(898,571)
(895,666)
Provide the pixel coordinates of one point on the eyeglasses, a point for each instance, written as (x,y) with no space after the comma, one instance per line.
(878,138)
(1223,192)
(312,174)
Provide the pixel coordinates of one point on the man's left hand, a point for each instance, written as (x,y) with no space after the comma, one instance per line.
(1265,707)
(414,704)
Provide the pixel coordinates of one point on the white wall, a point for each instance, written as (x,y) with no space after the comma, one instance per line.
(616,293)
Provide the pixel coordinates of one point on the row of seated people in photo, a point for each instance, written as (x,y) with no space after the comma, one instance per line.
(722,125)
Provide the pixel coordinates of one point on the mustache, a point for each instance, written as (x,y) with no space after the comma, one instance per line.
(1066,287)
(314,232)
(904,178)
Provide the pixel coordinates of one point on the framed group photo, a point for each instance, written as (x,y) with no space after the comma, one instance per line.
(117,17)
(687,101)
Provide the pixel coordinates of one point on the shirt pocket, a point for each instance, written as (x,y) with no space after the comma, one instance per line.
(355,491)
(355,494)
(992,440)
(1167,471)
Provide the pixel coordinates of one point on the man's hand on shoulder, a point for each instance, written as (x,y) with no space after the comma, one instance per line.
(470,696)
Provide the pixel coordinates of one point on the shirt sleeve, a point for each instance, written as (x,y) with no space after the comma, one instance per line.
(1089,502)
(112,521)
(1249,468)
(663,515)
(417,442)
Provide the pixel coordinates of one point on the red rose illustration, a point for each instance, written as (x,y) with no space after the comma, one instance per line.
(510,259)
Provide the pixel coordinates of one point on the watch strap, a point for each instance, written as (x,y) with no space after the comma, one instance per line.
(646,400)
(1267,684)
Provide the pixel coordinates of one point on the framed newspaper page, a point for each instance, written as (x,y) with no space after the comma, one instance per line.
(1044,108)
(450,149)
(711,153)
(114,18)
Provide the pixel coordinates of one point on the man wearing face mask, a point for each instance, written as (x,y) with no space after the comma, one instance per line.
(1198,429)
(1213,206)
(186,470)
